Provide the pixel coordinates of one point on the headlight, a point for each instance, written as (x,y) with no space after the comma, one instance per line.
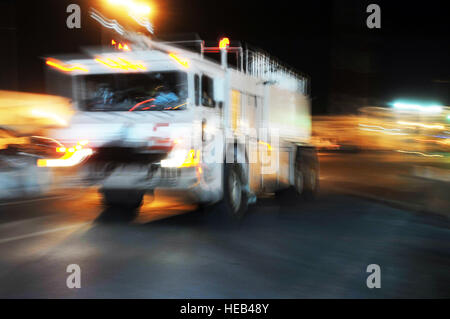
(182,158)
(72,156)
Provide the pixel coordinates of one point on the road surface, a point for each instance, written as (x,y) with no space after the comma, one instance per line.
(282,249)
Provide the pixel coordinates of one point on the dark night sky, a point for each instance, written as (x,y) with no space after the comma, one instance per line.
(328,40)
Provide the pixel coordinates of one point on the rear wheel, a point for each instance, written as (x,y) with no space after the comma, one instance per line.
(307,174)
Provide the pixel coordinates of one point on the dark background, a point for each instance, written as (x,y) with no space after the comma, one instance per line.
(349,64)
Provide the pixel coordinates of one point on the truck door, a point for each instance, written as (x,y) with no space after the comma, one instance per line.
(206,99)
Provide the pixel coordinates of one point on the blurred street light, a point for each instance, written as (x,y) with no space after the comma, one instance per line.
(133,7)
(418,107)
(139,11)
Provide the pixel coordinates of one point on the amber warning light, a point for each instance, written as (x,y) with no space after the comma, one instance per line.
(224,43)
(120,46)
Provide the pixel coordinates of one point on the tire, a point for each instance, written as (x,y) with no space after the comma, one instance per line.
(235,198)
(307,174)
(234,203)
(130,199)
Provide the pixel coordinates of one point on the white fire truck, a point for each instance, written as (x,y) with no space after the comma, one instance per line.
(155,116)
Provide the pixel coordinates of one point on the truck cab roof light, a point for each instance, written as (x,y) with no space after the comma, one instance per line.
(224,43)
(65,67)
(121,63)
(183,62)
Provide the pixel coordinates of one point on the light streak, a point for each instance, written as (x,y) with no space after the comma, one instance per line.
(445,142)
(143,22)
(139,104)
(121,63)
(72,156)
(380,129)
(107,23)
(269,147)
(417,107)
(175,107)
(436,126)
(420,153)
(69,159)
(181,61)
(43,114)
(66,68)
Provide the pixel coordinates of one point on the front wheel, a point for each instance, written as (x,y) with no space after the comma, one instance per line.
(235,199)
(234,196)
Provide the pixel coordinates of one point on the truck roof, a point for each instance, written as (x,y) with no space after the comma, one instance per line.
(159,56)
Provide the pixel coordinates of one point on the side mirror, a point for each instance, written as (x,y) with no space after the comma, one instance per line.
(220,104)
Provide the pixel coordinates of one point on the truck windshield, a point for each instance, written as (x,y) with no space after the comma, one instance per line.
(133,92)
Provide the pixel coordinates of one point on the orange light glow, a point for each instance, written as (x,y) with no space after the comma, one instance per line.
(139,104)
(141,9)
(181,61)
(72,156)
(67,160)
(121,63)
(175,107)
(269,147)
(193,159)
(66,68)
(224,43)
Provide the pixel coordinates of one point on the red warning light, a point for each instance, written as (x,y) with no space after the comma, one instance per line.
(224,43)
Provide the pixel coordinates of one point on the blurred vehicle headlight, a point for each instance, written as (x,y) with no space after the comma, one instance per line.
(182,158)
(72,156)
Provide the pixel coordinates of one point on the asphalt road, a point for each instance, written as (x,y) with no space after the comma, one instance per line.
(282,249)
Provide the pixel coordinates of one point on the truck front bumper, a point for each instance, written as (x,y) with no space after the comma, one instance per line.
(187,180)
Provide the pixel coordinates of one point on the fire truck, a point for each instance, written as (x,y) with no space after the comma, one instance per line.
(152,115)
